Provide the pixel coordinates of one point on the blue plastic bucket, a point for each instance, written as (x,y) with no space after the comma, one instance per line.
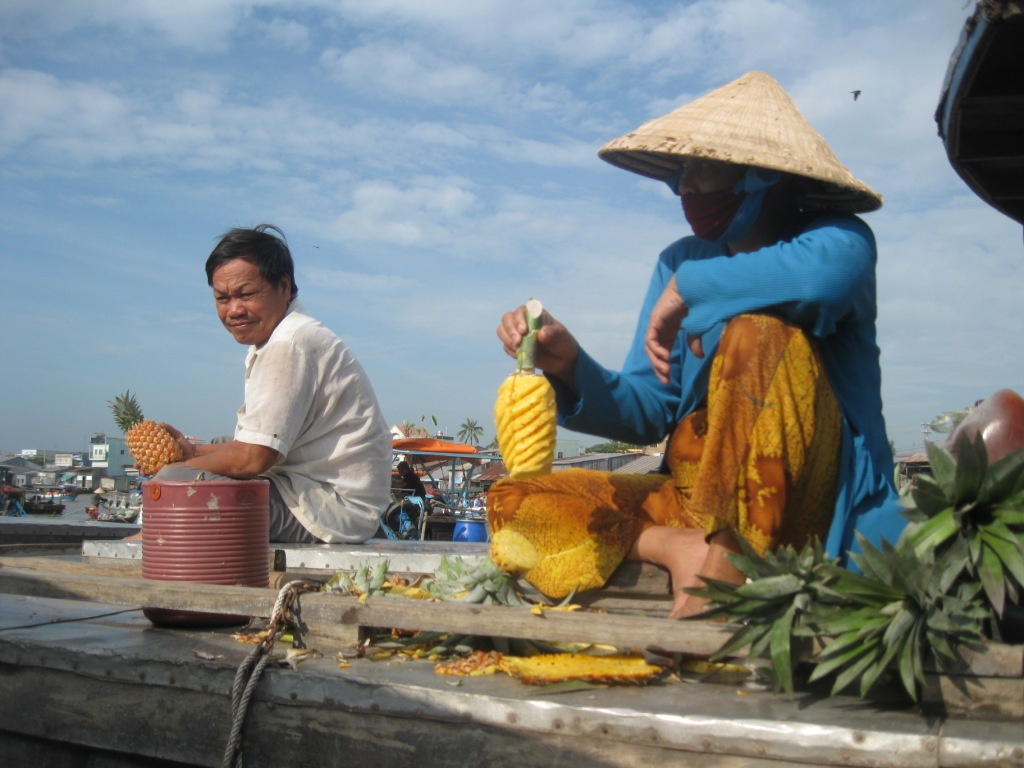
(470,530)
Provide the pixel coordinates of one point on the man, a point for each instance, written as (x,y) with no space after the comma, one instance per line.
(411,481)
(413,502)
(310,422)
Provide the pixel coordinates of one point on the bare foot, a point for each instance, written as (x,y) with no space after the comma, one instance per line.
(716,566)
(684,606)
(680,551)
(687,555)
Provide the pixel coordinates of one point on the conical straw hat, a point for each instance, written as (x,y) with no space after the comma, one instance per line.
(750,121)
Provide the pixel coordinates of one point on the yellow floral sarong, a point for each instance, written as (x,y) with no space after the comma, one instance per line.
(762,459)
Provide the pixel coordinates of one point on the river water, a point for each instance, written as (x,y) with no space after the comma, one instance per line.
(74,514)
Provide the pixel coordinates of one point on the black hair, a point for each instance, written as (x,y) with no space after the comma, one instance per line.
(263,246)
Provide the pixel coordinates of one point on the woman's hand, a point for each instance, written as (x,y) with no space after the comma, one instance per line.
(663,328)
(557,349)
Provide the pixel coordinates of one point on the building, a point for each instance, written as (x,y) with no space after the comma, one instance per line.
(20,472)
(111,453)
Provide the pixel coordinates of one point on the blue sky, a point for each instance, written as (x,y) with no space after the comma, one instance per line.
(434,164)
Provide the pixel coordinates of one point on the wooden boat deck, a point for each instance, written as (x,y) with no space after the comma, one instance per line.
(85,674)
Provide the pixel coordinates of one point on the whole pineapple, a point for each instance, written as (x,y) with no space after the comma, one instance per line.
(524,412)
(150,445)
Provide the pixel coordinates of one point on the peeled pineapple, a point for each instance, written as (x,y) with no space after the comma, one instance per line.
(150,445)
(525,410)
(512,552)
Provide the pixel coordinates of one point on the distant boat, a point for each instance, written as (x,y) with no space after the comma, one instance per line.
(41,506)
(117,507)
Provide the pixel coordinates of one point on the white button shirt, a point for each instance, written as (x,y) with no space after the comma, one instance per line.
(308,398)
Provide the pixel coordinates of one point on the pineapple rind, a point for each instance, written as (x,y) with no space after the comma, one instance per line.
(562,667)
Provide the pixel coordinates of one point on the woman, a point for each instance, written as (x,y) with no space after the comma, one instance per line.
(755,348)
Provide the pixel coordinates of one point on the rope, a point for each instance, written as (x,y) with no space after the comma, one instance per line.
(286,613)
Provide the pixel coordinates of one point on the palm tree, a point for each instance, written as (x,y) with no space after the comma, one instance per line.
(470,432)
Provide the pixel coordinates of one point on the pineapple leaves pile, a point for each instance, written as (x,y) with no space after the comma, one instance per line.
(913,606)
(150,445)
(971,515)
(777,607)
(455,580)
(524,412)
(481,582)
(365,580)
(529,660)
(900,613)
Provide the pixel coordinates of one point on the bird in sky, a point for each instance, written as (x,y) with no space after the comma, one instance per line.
(856,94)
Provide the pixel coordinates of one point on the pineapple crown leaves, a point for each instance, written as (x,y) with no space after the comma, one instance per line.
(776,609)
(365,579)
(480,582)
(970,515)
(902,615)
(127,411)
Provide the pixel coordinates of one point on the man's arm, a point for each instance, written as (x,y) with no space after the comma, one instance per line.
(236,459)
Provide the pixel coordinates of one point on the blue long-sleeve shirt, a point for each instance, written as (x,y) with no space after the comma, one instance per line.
(822,279)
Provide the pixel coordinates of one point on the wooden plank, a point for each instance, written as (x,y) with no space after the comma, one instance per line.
(628,622)
(104,567)
(150,724)
(141,697)
(994,660)
(974,696)
(341,617)
(624,631)
(621,601)
(405,557)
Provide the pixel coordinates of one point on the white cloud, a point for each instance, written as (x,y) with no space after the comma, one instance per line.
(200,24)
(434,164)
(289,34)
(418,214)
(38,106)
(411,72)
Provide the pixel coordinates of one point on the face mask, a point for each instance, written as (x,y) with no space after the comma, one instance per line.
(710,215)
(728,216)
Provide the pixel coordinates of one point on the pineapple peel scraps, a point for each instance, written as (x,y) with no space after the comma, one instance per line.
(414,593)
(539,608)
(476,664)
(548,669)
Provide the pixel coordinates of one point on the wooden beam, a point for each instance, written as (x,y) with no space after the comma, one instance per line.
(332,609)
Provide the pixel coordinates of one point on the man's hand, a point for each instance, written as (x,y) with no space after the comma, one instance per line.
(188,449)
(557,349)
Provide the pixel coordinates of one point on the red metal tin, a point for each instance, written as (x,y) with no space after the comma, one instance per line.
(211,532)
